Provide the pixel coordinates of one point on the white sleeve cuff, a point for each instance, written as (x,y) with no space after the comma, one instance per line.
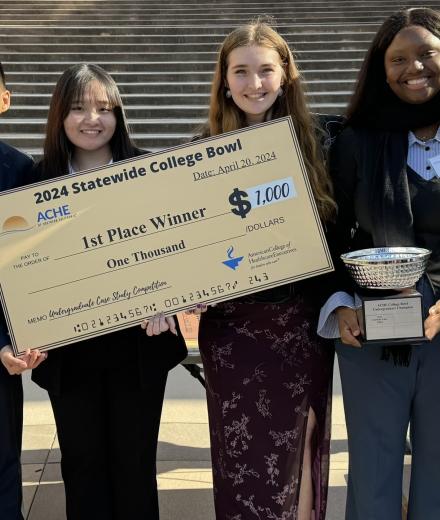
(328,323)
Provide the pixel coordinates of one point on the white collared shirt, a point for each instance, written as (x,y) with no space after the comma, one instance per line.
(420,154)
(72,169)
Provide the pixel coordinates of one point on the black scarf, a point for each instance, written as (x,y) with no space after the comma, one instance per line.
(390,202)
(392,114)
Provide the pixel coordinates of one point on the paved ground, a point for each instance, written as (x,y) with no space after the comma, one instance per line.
(184,462)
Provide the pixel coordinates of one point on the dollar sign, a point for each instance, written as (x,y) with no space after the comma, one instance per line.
(243,206)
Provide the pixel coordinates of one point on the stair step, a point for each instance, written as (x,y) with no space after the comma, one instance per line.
(163,57)
(37,126)
(150,66)
(214,39)
(163,49)
(35,77)
(160,99)
(183,23)
(170,87)
(194,30)
(144,111)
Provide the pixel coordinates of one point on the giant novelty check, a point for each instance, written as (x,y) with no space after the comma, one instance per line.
(98,251)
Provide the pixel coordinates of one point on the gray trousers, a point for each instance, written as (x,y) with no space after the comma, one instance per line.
(380,400)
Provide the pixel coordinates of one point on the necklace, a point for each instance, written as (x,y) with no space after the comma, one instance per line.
(425,138)
(429,134)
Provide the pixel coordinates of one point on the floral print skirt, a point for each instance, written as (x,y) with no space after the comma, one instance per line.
(265,368)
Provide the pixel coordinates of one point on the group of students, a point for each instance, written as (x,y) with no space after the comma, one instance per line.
(268,372)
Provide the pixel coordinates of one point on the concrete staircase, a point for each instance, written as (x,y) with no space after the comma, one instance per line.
(162,55)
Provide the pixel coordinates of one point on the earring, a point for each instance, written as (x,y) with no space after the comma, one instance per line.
(280,92)
(228,94)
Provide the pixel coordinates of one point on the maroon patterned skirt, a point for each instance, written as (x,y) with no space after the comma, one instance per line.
(265,368)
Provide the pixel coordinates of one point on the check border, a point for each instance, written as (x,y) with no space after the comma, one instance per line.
(214,299)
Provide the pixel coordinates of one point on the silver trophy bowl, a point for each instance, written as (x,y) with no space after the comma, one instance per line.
(387,267)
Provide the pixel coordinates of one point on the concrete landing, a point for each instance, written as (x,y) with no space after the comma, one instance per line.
(184,470)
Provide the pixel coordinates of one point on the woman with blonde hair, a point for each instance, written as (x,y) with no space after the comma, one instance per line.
(268,374)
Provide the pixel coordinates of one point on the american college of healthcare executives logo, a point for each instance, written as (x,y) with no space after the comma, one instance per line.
(232,261)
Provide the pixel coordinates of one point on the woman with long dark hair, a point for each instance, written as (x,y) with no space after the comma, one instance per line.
(388,193)
(106,392)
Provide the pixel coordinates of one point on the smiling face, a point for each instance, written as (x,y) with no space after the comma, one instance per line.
(412,65)
(254,76)
(91,122)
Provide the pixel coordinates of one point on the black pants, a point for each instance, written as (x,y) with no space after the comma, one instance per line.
(11,427)
(108,431)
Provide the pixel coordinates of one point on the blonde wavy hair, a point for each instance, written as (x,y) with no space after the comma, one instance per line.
(225,116)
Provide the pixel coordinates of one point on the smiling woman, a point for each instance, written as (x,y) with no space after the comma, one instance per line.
(268,374)
(86,124)
(90,125)
(106,404)
(387,186)
(412,64)
(254,78)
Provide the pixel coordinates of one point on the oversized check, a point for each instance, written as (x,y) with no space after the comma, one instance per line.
(100,250)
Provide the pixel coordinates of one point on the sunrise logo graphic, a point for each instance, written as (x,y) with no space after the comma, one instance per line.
(14,224)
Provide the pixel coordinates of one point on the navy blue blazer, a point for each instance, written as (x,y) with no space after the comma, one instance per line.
(15,167)
(15,170)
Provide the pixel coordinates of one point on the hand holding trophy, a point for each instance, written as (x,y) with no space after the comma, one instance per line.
(388,306)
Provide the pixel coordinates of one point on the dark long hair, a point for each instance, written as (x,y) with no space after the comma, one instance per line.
(71,87)
(371,86)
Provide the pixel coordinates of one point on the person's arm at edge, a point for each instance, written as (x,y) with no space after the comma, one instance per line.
(338,309)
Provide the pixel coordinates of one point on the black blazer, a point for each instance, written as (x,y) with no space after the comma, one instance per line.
(374,208)
(127,354)
(317,289)
(15,167)
(15,170)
